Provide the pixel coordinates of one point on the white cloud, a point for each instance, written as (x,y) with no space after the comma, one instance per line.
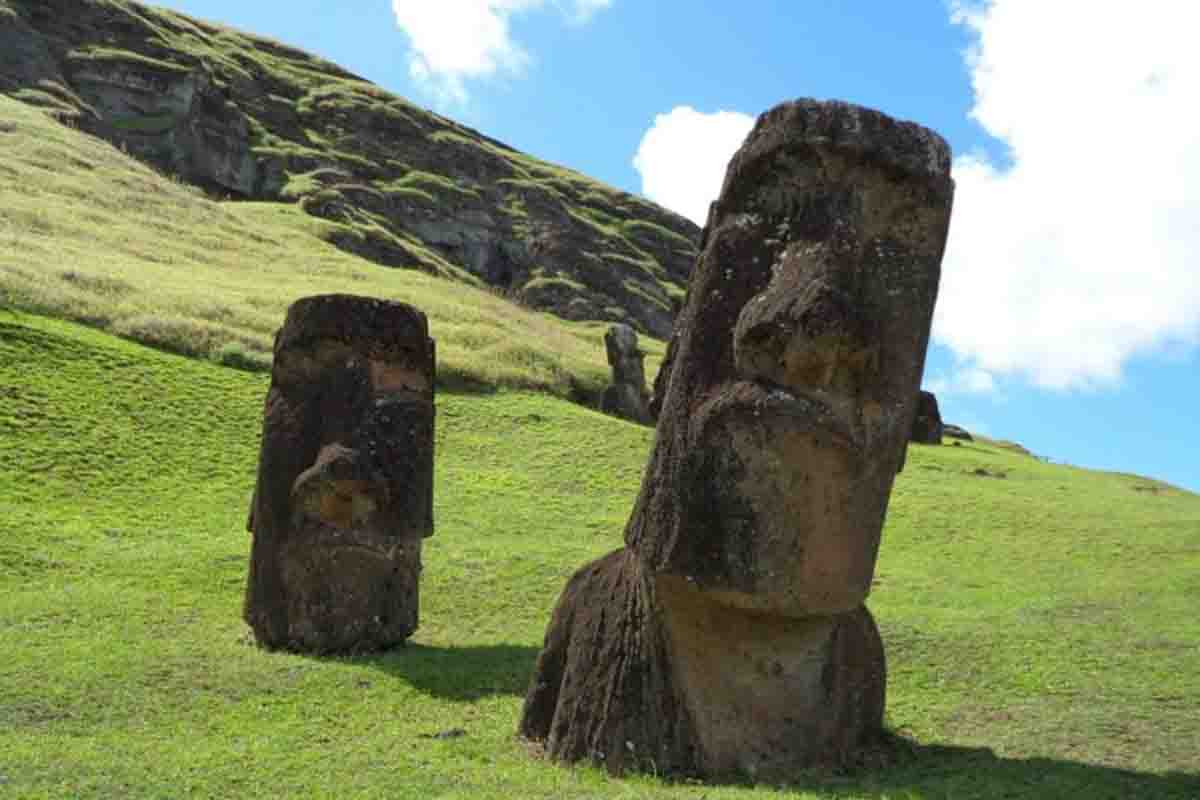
(1082,251)
(968,380)
(580,12)
(453,41)
(682,158)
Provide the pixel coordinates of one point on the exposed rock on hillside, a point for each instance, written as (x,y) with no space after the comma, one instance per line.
(249,118)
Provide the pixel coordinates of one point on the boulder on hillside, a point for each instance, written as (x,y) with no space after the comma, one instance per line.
(626,396)
(729,636)
(927,423)
(345,478)
(956,432)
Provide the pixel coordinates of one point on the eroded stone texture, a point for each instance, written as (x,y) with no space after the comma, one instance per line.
(345,477)
(626,396)
(729,636)
(927,423)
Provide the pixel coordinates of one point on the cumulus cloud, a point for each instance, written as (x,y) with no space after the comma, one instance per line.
(453,41)
(580,12)
(1079,251)
(682,157)
(969,380)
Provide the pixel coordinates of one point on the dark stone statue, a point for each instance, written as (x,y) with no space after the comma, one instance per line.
(345,477)
(626,395)
(729,636)
(927,423)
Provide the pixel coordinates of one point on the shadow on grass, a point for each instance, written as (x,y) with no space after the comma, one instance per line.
(944,771)
(458,673)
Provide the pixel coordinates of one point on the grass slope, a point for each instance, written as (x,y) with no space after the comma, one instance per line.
(385,174)
(89,234)
(1042,611)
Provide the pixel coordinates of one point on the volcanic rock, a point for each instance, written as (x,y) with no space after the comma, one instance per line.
(345,478)
(729,636)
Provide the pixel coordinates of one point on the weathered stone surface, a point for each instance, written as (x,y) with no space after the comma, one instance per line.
(345,477)
(957,432)
(729,636)
(246,117)
(927,422)
(626,396)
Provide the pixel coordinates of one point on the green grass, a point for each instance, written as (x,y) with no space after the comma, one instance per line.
(88,234)
(1039,620)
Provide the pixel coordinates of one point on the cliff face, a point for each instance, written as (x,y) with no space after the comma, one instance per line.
(249,118)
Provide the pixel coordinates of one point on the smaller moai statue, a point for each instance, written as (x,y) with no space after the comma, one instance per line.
(345,478)
(927,424)
(626,396)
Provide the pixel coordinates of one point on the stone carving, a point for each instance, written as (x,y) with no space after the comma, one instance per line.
(927,423)
(345,477)
(729,635)
(626,396)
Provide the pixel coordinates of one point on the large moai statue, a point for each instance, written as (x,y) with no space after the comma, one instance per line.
(626,396)
(729,636)
(345,477)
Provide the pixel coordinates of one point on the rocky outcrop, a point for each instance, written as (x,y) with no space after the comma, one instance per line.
(626,396)
(345,478)
(927,422)
(957,432)
(729,636)
(246,117)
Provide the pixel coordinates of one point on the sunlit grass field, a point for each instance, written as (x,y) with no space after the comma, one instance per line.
(1040,621)
(1044,612)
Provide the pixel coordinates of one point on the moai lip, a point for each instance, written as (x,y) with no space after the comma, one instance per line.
(729,636)
(345,479)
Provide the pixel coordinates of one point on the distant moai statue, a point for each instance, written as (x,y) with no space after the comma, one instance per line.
(729,636)
(345,477)
(626,395)
(927,422)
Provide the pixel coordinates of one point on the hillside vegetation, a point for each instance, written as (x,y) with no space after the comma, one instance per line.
(89,234)
(248,118)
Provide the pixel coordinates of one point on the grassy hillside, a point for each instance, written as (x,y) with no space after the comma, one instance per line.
(89,234)
(251,118)
(1045,612)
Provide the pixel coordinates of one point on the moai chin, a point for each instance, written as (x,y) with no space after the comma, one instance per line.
(626,396)
(345,477)
(729,636)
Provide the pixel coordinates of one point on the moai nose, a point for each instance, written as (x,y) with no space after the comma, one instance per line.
(337,489)
(807,332)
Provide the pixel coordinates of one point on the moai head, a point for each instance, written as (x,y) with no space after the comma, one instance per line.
(624,356)
(345,481)
(626,395)
(796,362)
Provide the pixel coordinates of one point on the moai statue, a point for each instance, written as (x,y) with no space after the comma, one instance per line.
(927,422)
(345,478)
(729,636)
(626,396)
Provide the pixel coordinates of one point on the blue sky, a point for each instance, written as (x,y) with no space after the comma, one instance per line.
(1069,313)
